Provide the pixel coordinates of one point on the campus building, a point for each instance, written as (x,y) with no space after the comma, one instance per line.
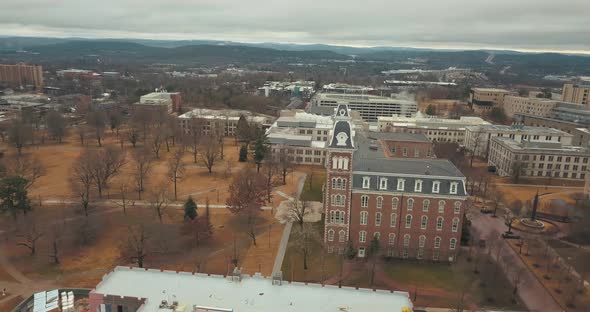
(160,100)
(226,120)
(528,105)
(414,206)
(369,106)
(435,129)
(575,93)
(482,100)
(478,138)
(538,159)
(21,75)
(564,116)
(141,290)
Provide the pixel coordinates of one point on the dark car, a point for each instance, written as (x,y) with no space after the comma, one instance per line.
(486,210)
(492,169)
(510,236)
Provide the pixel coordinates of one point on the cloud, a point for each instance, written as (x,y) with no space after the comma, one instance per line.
(522,24)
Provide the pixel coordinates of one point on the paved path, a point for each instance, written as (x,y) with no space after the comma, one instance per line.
(541,186)
(531,291)
(286,232)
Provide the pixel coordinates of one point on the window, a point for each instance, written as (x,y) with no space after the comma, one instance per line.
(341,236)
(416,153)
(436,186)
(330,235)
(377,235)
(454,187)
(455,226)
(457,207)
(424,222)
(401,184)
(453,243)
(405,151)
(425,205)
(435,255)
(366,182)
(410,203)
(441,206)
(439,223)
(422,241)
(364,201)
(362,236)
(378,219)
(379,202)
(383,183)
(407,240)
(364,217)
(391,239)
(418,186)
(394,203)
(408,221)
(437,242)
(338,200)
(393,220)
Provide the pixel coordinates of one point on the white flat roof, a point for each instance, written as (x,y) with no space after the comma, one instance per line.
(251,294)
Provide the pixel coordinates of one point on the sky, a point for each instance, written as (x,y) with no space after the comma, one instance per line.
(527,25)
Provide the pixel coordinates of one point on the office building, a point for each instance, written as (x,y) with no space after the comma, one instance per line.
(528,105)
(141,290)
(168,101)
(413,206)
(225,120)
(21,75)
(482,100)
(576,93)
(369,106)
(435,129)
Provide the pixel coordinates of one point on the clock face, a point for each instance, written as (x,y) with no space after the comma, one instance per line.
(341,139)
(342,112)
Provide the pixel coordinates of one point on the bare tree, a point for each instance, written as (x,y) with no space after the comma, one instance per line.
(193,138)
(176,169)
(210,153)
(269,171)
(475,144)
(124,189)
(30,235)
(142,164)
(515,209)
(56,124)
(27,167)
(135,248)
(284,163)
(246,197)
(81,130)
(158,201)
(97,120)
(304,238)
(156,142)
(133,136)
(299,210)
(19,133)
(105,165)
(81,179)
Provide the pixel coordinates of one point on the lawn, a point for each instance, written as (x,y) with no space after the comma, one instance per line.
(576,257)
(312,189)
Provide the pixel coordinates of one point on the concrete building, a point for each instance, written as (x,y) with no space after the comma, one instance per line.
(287,88)
(208,120)
(414,207)
(538,159)
(169,101)
(21,75)
(572,112)
(478,138)
(370,107)
(581,137)
(73,73)
(435,129)
(482,100)
(575,93)
(528,105)
(22,102)
(141,290)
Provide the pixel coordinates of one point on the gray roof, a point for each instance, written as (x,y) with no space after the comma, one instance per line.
(444,189)
(342,126)
(399,136)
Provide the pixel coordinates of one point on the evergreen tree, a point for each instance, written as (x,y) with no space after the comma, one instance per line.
(243,153)
(190,209)
(430,110)
(13,193)
(260,148)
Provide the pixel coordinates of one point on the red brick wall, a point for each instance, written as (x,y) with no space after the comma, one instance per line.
(423,148)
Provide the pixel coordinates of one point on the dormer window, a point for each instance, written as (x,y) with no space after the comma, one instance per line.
(401,184)
(383,183)
(418,186)
(366,182)
(454,187)
(435,186)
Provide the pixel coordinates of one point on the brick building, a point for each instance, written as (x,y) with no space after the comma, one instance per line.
(21,75)
(414,206)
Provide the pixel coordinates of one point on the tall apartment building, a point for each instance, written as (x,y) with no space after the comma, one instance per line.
(528,105)
(478,138)
(370,107)
(575,93)
(435,129)
(538,159)
(414,207)
(20,75)
(218,120)
(482,100)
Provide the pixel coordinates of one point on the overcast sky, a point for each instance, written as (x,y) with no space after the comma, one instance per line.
(546,25)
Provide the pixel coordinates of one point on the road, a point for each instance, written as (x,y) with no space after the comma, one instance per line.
(532,293)
(490,59)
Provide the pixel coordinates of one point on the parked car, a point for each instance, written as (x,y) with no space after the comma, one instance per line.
(486,210)
(508,235)
(482,243)
(492,169)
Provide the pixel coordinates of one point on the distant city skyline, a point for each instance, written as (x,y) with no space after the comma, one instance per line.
(526,25)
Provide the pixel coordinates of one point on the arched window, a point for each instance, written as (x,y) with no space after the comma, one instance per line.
(393,220)
(378,219)
(364,201)
(334,183)
(364,217)
(379,202)
(362,236)
(457,207)
(407,240)
(377,235)
(455,225)
(338,183)
(439,223)
(391,239)
(341,236)
(343,184)
(425,205)
(408,221)
(441,206)
(394,203)
(437,242)
(424,222)
(330,235)
(340,217)
(410,203)
(422,241)
(453,243)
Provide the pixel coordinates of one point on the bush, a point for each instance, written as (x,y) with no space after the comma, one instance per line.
(243,153)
